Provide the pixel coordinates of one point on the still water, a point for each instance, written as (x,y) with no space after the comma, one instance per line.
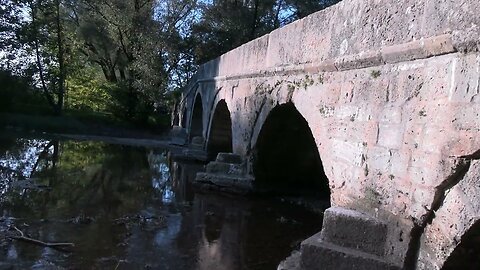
(132,208)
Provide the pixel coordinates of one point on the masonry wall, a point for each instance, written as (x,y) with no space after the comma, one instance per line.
(391,92)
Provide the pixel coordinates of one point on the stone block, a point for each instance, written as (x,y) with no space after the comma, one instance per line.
(327,66)
(321,255)
(361,60)
(423,195)
(379,158)
(399,162)
(351,152)
(352,229)
(404,52)
(391,115)
(224,168)
(284,45)
(292,262)
(465,83)
(230,184)
(439,45)
(467,40)
(198,140)
(390,136)
(229,158)
(178,135)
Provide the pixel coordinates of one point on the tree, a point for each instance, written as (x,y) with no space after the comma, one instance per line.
(138,45)
(226,24)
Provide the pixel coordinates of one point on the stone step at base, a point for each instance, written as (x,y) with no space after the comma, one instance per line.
(292,262)
(197,142)
(228,169)
(224,183)
(319,255)
(229,158)
(178,141)
(353,229)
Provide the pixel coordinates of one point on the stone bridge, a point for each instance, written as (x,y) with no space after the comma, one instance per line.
(374,104)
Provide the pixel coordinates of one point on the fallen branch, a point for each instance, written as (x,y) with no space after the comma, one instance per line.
(22,237)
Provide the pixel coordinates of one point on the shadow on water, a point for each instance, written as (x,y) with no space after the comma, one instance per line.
(133,208)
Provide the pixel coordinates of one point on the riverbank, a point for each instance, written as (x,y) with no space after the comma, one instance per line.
(88,125)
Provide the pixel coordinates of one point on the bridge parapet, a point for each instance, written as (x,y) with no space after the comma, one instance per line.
(354,31)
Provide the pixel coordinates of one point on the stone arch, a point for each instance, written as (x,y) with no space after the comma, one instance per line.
(184,117)
(196,123)
(176,120)
(466,255)
(220,135)
(286,158)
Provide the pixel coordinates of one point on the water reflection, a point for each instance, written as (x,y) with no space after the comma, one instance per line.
(127,207)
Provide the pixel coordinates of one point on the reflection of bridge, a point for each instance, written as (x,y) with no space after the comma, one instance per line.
(387,94)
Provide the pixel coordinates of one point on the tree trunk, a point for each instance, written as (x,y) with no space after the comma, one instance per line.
(61,62)
(46,93)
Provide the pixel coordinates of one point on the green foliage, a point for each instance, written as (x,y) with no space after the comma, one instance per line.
(87,92)
(124,59)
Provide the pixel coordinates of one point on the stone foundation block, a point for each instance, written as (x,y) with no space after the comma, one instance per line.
(320,255)
(224,168)
(352,229)
(230,184)
(197,142)
(229,158)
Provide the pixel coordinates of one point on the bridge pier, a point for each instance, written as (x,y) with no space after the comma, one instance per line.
(178,136)
(193,152)
(227,173)
(349,240)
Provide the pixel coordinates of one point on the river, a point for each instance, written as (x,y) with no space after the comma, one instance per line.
(125,207)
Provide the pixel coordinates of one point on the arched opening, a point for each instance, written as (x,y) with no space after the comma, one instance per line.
(287,159)
(466,255)
(196,126)
(184,118)
(220,138)
(175,121)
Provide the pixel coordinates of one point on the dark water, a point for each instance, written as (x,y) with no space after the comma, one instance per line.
(132,208)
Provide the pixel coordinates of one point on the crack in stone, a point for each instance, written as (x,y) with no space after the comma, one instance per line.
(462,166)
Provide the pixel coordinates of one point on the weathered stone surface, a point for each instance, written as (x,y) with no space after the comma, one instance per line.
(189,154)
(460,210)
(178,136)
(387,122)
(320,255)
(223,183)
(292,262)
(229,158)
(361,60)
(225,168)
(352,229)
(404,52)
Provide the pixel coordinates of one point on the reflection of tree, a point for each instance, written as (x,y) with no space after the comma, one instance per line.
(22,159)
(47,157)
(94,176)
(85,177)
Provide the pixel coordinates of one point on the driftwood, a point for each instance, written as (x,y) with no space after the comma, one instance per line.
(57,246)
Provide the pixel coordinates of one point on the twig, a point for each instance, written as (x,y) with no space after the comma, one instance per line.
(22,237)
(119,262)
